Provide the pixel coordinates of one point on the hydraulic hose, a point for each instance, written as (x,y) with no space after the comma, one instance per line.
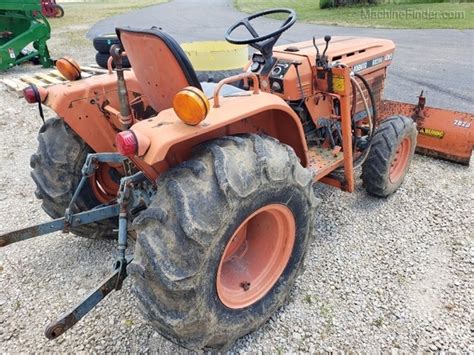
(358,162)
(372,100)
(371,114)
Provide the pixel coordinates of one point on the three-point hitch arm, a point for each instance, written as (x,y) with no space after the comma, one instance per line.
(134,193)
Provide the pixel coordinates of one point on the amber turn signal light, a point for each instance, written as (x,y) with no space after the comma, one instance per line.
(69,68)
(191,105)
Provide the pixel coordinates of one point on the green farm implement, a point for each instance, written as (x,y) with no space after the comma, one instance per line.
(22,24)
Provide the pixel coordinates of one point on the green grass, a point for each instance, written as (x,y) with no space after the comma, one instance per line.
(68,35)
(79,17)
(405,15)
(91,12)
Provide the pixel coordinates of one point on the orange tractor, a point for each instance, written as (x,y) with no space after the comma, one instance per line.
(214,182)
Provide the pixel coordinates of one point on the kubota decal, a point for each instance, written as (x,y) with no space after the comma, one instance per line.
(431,132)
(368,64)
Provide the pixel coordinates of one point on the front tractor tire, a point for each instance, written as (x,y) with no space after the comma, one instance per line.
(57,166)
(390,156)
(220,247)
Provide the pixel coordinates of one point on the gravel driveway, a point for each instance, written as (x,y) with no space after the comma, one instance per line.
(382,274)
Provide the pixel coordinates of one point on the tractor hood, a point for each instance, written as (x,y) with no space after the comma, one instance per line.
(360,53)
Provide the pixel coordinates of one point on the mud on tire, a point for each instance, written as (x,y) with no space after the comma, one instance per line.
(377,171)
(56,172)
(182,235)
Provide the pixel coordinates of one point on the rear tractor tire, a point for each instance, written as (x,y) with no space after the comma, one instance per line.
(220,247)
(56,172)
(390,156)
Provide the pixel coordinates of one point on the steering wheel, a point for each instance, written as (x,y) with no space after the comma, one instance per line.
(265,42)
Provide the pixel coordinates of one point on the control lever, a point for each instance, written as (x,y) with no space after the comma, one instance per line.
(327,38)
(322,59)
(296,64)
(318,55)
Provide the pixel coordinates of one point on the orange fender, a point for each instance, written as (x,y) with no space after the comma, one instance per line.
(262,113)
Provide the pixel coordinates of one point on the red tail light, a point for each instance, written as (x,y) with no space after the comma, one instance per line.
(127,143)
(31,95)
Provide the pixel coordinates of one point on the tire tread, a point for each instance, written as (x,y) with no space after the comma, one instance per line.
(169,255)
(375,170)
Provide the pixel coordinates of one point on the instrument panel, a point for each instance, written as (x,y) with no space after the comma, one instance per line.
(275,75)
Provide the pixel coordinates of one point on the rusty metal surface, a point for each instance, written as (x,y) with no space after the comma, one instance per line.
(129,198)
(69,319)
(58,224)
(442,133)
(444,156)
(323,160)
(135,192)
(31,232)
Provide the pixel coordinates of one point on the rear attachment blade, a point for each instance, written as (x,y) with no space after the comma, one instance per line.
(443,134)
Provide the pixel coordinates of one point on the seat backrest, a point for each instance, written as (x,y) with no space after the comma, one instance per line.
(160,65)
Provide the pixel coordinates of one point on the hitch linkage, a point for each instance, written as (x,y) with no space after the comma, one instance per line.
(129,198)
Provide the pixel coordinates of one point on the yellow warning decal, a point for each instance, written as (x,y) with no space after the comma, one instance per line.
(338,84)
(431,132)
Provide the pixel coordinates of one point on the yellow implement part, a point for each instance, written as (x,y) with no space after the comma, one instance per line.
(216,55)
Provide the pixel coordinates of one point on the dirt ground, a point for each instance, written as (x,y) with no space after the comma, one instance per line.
(381,275)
